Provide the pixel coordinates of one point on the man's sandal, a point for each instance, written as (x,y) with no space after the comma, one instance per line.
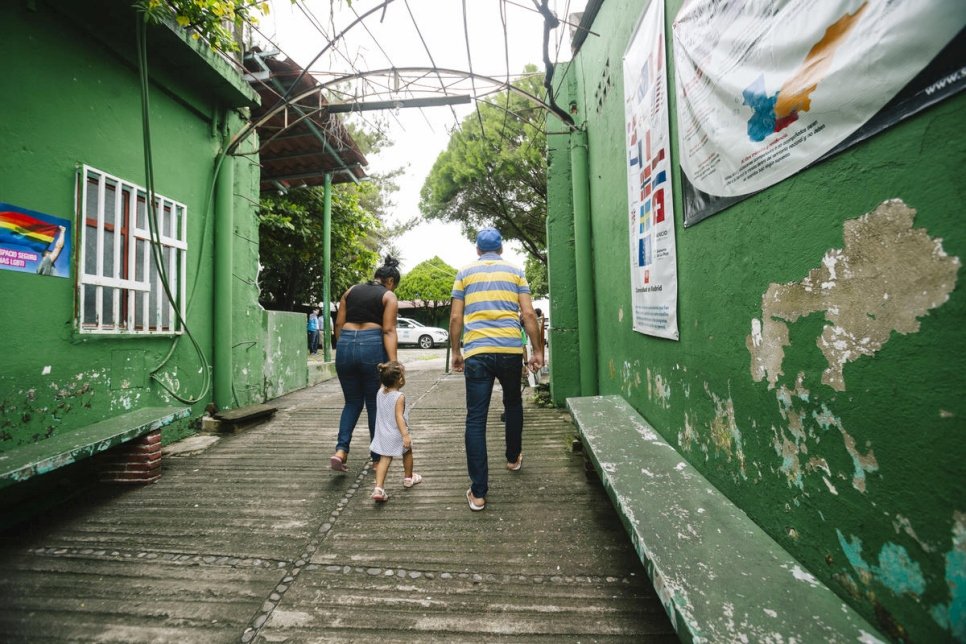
(379,495)
(516,465)
(474,506)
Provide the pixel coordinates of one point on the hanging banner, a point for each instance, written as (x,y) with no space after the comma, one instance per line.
(765,89)
(32,242)
(654,280)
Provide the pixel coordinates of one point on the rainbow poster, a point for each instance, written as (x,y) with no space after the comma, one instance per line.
(33,242)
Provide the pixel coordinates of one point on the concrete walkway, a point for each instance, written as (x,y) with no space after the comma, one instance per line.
(250,538)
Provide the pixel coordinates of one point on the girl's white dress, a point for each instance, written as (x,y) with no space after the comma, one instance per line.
(387,440)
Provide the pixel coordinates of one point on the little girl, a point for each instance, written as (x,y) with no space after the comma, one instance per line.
(392,428)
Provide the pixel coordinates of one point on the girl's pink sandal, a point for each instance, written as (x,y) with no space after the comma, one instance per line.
(415,479)
(379,495)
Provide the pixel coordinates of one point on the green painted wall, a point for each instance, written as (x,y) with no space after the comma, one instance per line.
(249,342)
(860,480)
(78,102)
(285,366)
(561,274)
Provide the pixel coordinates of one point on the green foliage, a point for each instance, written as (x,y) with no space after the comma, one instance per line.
(536,272)
(428,285)
(208,19)
(495,175)
(291,244)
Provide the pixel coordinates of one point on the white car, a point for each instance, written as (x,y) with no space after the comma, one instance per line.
(412,332)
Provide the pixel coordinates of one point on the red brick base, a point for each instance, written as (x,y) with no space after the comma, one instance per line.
(136,462)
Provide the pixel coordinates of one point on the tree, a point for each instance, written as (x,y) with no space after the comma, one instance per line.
(536,272)
(494,171)
(291,244)
(428,285)
(291,233)
(212,20)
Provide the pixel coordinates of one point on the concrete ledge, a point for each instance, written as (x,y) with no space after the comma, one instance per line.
(320,372)
(720,576)
(25,462)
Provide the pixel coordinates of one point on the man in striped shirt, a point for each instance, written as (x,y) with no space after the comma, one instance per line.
(489,298)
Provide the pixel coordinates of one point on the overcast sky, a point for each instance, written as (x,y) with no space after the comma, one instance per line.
(420,135)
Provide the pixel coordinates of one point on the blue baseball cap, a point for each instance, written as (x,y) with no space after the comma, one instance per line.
(489,239)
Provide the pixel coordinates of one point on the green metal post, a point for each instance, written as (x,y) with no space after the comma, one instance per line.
(583,255)
(223,240)
(327,269)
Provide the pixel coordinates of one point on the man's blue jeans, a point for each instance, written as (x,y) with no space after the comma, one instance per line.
(356,358)
(480,371)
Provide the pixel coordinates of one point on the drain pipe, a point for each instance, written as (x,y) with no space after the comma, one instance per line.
(222,315)
(584,264)
(327,269)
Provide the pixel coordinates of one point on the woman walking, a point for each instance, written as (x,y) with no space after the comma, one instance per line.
(365,335)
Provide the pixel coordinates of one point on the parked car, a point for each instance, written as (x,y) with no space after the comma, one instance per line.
(426,337)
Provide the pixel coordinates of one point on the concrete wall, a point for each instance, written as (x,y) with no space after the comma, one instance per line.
(561,270)
(286,353)
(849,454)
(73,98)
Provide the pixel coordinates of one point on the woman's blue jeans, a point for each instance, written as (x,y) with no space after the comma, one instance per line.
(480,371)
(356,357)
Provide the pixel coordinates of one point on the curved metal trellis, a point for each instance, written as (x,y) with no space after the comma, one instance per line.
(497,85)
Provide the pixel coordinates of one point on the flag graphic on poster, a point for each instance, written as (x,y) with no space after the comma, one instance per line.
(32,242)
(653,253)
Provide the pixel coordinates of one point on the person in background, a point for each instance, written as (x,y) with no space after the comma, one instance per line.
(392,429)
(490,297)
(46,266)
(542,326)
(365,335)
(312,329)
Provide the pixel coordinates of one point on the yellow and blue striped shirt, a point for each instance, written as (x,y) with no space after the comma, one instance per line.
(490,289)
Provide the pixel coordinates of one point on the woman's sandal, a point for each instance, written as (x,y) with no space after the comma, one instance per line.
(338,464)
(415,479)
(379,495)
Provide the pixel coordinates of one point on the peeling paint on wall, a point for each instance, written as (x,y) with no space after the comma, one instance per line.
(862,463)
(689,437)
(658,387)
(803,432)
(898,571)
(902,523)
(952,616)
(724,430)
(887,276)
(631,378)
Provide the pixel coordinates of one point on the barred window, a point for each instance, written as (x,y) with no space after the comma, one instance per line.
(119,287)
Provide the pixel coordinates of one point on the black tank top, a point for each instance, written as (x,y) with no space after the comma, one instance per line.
(364,303)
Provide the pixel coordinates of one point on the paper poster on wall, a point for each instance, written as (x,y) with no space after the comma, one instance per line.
(654,281)
(766,89)
(32,242)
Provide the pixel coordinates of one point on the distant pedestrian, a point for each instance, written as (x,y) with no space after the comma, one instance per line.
(490,298)
(542,326)
(312,328)
(365,335)
(392,437)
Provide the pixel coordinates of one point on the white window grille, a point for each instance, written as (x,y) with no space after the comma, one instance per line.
(119,287)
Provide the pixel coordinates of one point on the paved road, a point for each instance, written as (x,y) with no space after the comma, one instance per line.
(249,538)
